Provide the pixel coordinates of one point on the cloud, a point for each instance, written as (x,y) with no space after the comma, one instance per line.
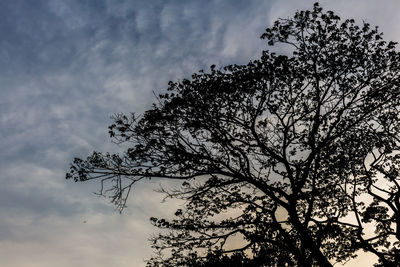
(65,67)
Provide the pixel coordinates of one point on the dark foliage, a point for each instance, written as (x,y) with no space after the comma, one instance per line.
(290,160)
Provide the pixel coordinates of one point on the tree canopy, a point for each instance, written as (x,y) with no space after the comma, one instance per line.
(290,160)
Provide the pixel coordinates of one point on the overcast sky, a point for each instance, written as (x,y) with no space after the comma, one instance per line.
(66,66)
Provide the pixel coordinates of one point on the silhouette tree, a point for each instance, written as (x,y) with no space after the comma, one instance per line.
(290,160)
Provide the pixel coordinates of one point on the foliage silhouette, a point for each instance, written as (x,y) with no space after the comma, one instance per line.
(297,156)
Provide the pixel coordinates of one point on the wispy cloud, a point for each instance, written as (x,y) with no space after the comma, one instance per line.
(65,67)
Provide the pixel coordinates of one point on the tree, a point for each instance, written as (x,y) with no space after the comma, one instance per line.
(296,156)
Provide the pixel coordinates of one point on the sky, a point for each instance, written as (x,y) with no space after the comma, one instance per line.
(66,66)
